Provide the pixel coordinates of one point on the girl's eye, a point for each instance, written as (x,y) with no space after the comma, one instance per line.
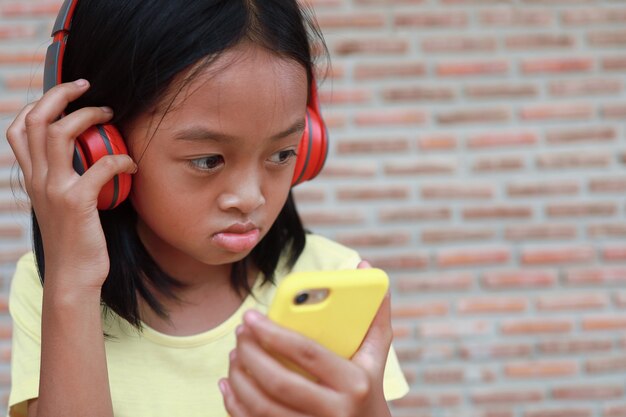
(283,157)
(208,163)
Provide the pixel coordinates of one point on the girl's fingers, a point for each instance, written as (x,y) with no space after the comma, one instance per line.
(247,399)
(16,136)
(62,134)
(285,386)
(331,370)
(92,181)
(46,111)
(372,355)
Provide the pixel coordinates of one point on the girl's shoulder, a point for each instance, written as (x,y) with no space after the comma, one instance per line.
(321,253)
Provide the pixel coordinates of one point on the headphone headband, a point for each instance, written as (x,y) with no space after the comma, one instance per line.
(56,50)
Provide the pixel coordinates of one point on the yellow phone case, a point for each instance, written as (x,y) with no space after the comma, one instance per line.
(342,319)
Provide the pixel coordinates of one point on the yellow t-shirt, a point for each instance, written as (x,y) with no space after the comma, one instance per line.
(157,375)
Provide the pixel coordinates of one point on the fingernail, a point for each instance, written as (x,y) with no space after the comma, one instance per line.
(239,330)
(223,386)
(252,317)
(365,264)
(232,355)
(106,109)
(81,82)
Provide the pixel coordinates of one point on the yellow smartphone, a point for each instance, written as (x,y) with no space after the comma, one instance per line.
(334,308)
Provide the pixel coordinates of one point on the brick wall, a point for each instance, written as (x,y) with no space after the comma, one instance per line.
(478,151)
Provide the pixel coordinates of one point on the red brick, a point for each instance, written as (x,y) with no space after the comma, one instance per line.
(607,38)
(394,117)
(423,167)
(466,68)
(444,376)
(607,185)
(388,2)
(309,195)
(345,96)
(543,188)
(386,238)
(459,44)
(371,46)
(556,65)
(539,41)
(21,82)
(588,392)
(437,142)
(19,57)
(540,231)
(373,145)
(11,231)
(518,279)
(414,214)
(21,31)
(334,120)
(484,115)
(368,193)
(507,17)
(500,396)
(440,235)
(572,302)
(27,9)
(616,63)
(564,254)
(614,111)
(418,93)
(392,70)
(537,326)
(491,91)
(581,209)
(614,253)
(586,87)
(435,399)
(399,261)
(601,275)
(337,170)
(353,20)
(606,365)
(472,256)
(592,16)
(574,346)
(11,106)
(614,410)
(541,369)
(431,19)
(491,305)
(557,111)
(334,217)
(606,322)
(591,134)
(454,329)
(457,191)
(574,159)
(495,211)
(498,163)
(441,282)
(480,351)
(416,311)
(606,230)
(501,139)
(561,411)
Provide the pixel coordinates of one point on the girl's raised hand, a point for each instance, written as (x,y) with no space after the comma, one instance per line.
(258,385)
(65,202)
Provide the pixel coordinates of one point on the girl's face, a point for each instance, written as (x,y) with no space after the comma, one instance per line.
(216,170)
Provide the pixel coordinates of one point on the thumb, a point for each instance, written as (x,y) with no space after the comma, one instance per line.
(372,355)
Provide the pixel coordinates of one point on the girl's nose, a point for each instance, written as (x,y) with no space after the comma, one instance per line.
(244,195)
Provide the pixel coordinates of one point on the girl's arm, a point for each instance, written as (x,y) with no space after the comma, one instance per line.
(258,385)
(73,378)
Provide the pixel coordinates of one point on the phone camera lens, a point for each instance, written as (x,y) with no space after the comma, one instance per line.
(301,298)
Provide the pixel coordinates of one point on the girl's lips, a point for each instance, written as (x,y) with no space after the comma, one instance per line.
(237,242)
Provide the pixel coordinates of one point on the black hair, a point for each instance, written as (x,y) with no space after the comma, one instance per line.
(131,51)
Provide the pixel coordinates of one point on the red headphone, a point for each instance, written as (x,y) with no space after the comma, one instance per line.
(101,140)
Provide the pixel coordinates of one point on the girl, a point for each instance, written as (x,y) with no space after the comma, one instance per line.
(154,307)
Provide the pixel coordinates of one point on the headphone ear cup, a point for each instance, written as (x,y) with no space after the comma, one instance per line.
(313,148)
(93,144)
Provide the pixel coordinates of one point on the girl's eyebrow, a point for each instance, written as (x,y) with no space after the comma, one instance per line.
(200,134)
